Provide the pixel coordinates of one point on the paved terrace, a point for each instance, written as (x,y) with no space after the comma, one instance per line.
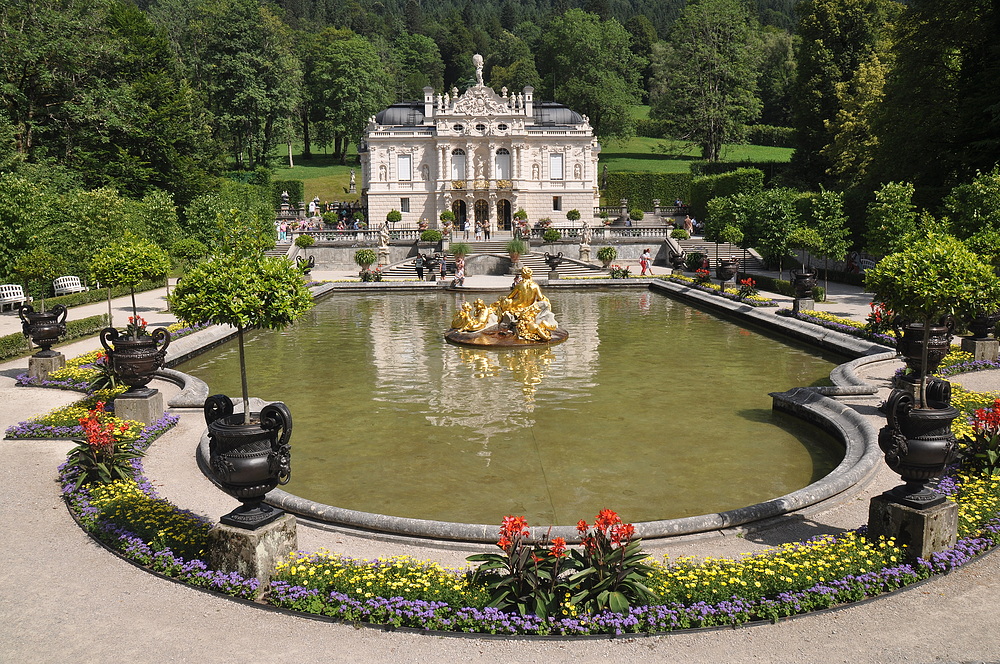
(64,598)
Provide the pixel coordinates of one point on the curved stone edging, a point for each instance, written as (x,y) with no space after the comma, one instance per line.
(193,392)
(861,459)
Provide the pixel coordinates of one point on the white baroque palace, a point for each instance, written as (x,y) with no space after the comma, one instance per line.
(480,154)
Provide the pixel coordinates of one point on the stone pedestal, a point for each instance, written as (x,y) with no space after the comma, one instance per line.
(923,531)
(383,256)
(39,368)
(803,304)
(145,408)
(553,275)
(252,553)
(981,349)
(585,253)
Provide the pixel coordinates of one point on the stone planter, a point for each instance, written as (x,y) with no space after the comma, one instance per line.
(43,327)
(248,460)
(135,359)
(725,271)
(918,442)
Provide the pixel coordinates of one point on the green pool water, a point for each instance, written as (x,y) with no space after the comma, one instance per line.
(652,408)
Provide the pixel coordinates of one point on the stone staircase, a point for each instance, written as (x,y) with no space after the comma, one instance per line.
(753,262)
(536,261)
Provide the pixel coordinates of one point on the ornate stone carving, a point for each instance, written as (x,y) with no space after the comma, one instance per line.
(480,101)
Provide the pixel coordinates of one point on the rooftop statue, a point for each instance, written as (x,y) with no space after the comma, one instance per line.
(522,317)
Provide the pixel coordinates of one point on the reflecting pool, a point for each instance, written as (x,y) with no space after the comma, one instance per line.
(652,408)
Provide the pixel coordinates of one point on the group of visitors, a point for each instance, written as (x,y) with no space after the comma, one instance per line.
(424,263)
(284,227)
(692,225)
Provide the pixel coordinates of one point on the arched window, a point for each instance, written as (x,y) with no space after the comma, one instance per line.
(458,164)
(503,164)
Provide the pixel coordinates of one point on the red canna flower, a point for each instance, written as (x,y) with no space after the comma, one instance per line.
(581,526)
(558,547)
(607,518)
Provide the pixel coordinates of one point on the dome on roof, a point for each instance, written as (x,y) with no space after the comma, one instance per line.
(405,113)
(552,113)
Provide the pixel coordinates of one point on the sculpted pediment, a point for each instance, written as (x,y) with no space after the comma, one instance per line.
(480,100)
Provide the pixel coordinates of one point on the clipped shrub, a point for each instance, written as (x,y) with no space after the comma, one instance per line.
(679,234)
(636,214)
(304,241)
(431,235)
(188,249)
(551,235)
(740,181)
(573,215)
(607,254)
(447,216)
(394,216)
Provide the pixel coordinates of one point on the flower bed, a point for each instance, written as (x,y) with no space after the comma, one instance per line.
(730,293)
(845,325)
(795,578)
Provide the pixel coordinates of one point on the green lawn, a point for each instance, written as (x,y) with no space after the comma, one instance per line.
(322,175)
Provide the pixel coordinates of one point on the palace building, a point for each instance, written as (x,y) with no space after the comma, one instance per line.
(480,154)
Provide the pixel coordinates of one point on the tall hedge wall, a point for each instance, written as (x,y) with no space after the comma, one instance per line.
(296,191)
(707,187)
(642,188)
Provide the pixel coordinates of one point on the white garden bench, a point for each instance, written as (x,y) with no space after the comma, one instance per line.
(11,294)
(67,285)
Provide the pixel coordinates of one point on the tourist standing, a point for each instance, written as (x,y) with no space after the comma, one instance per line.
(444,265)
(418,263)
(486,231)
(644,260)
(479,232)
(465,228)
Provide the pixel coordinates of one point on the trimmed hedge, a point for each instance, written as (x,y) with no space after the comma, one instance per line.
(781,286)
(260,176)
(296,191)
(770,169)
(642,188)
(652,128)
(12,345)
(707,187)
(777,137)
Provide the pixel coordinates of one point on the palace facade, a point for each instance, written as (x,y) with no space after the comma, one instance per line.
(480,154)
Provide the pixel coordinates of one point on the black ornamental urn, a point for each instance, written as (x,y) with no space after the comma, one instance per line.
(910,343)
(983,324)
(803,282)
(135,359)
(725,271)
(43,327)
(248,460)
(918,442)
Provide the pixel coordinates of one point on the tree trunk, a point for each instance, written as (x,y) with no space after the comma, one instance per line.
(243,378)
(306,138)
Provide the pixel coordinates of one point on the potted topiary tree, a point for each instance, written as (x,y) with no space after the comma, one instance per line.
(37,268)
(135,355)
(933,279)
(365,258)
(808,241)
(248,452)
(573,215)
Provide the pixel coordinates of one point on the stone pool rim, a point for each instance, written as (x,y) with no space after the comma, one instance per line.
(862,457)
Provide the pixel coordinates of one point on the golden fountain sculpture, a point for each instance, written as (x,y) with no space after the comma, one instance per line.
(523,317)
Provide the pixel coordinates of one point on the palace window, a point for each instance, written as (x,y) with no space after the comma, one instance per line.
(404,204)
(458,164)
(557,202)
(404,168)
(503,164)
(556,166)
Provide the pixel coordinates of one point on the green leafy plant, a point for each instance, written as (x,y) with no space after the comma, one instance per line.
(394,216)
(104,378)
(371,275)
(129,263)
(551,235)
(520,215)
(431,235)
(982,453)
(525,577)
(37,268)
(636,214)
(365,257)
(304,241)
(935,276)
(702,276)
(447,216)
(611,573)
(748,287)
(104,456)
(607,254)
(189,250)
(461,249)
(244,289)
(694,260)
(516,248)
(679,234)
(573,215)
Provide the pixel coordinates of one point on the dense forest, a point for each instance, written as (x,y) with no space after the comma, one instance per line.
(122,110)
